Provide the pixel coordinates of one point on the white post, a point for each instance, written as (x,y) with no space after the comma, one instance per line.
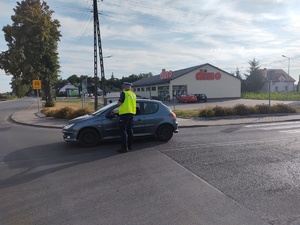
(38,100)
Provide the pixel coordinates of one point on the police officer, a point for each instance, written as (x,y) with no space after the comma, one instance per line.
(127,109)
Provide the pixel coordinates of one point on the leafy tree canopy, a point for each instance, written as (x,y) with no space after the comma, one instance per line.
(32,42)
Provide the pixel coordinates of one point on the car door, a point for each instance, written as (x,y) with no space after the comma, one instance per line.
(110,124)
(151,118)
(111,128)
(138,120)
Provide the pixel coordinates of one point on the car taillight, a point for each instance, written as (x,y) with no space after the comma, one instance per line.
(173,115)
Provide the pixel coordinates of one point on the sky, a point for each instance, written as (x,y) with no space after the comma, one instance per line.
(148,36)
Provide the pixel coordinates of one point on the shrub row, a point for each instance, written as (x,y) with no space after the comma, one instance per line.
(216,111)
(243,110)
(65,112)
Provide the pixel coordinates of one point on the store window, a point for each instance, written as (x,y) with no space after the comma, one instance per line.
(143,89)
(163,93)
(178,90)
(138,89)
(153,88)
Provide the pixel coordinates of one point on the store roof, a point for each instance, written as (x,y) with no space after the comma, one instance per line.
(157,80)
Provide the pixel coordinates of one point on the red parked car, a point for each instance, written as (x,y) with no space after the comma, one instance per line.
(187,98)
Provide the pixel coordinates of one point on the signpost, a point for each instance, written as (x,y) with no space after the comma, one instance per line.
(37,85)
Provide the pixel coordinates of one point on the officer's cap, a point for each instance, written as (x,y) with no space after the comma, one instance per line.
(127,84)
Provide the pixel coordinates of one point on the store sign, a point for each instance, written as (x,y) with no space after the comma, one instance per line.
(166,74)
(201,75)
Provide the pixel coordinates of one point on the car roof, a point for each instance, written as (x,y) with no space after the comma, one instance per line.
(148,100)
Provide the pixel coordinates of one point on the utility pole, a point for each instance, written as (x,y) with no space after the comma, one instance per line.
(97,37)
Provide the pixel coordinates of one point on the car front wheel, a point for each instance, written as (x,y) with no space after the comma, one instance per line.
(88,138)
(164,132)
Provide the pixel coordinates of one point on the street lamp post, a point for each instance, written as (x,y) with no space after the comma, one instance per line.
(289,62)
(103,85)
(289,59)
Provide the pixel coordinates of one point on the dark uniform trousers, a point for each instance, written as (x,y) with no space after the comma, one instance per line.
(126,124)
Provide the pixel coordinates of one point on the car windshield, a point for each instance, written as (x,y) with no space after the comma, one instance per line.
(103,109)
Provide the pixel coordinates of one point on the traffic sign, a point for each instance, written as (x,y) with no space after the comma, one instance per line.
(36,84)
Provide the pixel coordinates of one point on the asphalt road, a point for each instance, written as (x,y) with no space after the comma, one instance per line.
(250,172)
(256,165)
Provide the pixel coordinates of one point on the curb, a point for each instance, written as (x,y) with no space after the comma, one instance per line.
(12,119)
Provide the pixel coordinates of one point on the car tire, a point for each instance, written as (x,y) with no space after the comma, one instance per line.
(164,132)
(185,101)
(88,138)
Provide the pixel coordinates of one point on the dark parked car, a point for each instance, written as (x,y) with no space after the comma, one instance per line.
(201,97)
(153,118)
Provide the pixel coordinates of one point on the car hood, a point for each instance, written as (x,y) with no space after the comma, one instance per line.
(80,118)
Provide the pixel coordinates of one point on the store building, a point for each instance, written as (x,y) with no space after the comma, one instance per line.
(202,79)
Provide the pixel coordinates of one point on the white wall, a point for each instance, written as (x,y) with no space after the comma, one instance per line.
(280,87)
(146,93)
(226,87)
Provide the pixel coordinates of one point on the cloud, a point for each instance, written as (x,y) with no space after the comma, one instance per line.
(146,36)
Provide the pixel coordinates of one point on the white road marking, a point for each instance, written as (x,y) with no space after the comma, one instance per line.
(286,127)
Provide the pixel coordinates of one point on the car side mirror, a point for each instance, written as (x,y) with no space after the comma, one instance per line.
(112,115)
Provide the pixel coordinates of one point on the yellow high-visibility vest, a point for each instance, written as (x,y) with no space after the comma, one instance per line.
(129,105)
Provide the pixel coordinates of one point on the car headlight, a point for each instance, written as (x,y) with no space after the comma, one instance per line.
(68,126)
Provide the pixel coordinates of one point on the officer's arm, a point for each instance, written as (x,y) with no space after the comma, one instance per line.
(121,99)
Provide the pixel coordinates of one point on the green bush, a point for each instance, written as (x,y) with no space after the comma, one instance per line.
(206,112)
(282,108)
(219,111)
(80,112)
(65,113)
(223,111)
(47,112)
(242,110)
(49,104)
(262,109)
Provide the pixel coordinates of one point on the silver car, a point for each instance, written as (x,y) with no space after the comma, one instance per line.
(153,118)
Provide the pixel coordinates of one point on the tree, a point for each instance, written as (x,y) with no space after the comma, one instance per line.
(238,73)
(254,80)
(32,42)
(74,79)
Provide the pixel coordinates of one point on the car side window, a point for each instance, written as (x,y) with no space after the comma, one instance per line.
(115,111)
(150,108)
(138,109)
